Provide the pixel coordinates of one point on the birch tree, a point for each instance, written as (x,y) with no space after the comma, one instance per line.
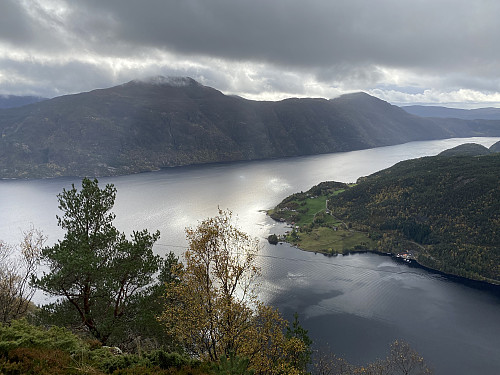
(17,265)
(213,307)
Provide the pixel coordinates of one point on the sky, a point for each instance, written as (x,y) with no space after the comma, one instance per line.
(434,52)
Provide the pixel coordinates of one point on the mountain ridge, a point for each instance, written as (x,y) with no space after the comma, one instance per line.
(487,113)
(145,125)
(13,101)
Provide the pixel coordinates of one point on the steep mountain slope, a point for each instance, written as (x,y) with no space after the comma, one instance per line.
(146,125)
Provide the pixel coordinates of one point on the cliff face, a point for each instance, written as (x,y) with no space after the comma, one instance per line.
(141,126)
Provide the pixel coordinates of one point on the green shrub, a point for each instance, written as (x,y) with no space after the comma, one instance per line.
(187,370)
(111,363)
(166,360)
(39,361)
(22,334)
(29,349)
(233,365)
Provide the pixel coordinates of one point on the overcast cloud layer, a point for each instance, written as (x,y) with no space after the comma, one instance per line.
(443,52)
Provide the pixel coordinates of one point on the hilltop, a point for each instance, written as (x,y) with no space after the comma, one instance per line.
(471,149)
(164,122)
(466,149)
(495,147)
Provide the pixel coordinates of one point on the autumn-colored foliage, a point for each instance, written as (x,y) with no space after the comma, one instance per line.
(213,306)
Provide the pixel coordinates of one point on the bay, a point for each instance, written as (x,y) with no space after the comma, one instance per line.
(356,304)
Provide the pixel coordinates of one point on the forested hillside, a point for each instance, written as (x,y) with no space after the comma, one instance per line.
(495,147)
(445,210)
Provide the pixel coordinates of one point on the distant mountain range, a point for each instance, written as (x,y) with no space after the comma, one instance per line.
(444,112)
(12,101)
(163,122)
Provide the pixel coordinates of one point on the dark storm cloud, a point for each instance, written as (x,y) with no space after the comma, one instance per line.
(27,25)
(314,33)
(243,46)
(14,25)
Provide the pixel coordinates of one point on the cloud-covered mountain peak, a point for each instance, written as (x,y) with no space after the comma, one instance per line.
(167,81)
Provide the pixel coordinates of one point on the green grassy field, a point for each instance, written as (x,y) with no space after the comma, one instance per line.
(315,229)
(329,241)
(313,207)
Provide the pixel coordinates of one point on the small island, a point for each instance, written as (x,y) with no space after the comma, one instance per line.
(442,212)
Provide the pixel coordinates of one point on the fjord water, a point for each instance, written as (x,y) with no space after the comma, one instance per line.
(356,304)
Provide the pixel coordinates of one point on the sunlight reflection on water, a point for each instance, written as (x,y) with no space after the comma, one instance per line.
(358,303)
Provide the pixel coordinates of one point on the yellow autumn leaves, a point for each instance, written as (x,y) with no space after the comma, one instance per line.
(212,306)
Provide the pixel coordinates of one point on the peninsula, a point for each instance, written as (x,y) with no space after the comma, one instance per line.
(441,211)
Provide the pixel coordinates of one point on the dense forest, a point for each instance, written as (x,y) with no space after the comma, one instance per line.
(444,210)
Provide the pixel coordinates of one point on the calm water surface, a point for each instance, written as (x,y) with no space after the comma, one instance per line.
(357,304)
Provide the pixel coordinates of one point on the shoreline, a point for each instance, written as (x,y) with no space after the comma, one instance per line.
(413,263)
(118,172)
(474,283)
